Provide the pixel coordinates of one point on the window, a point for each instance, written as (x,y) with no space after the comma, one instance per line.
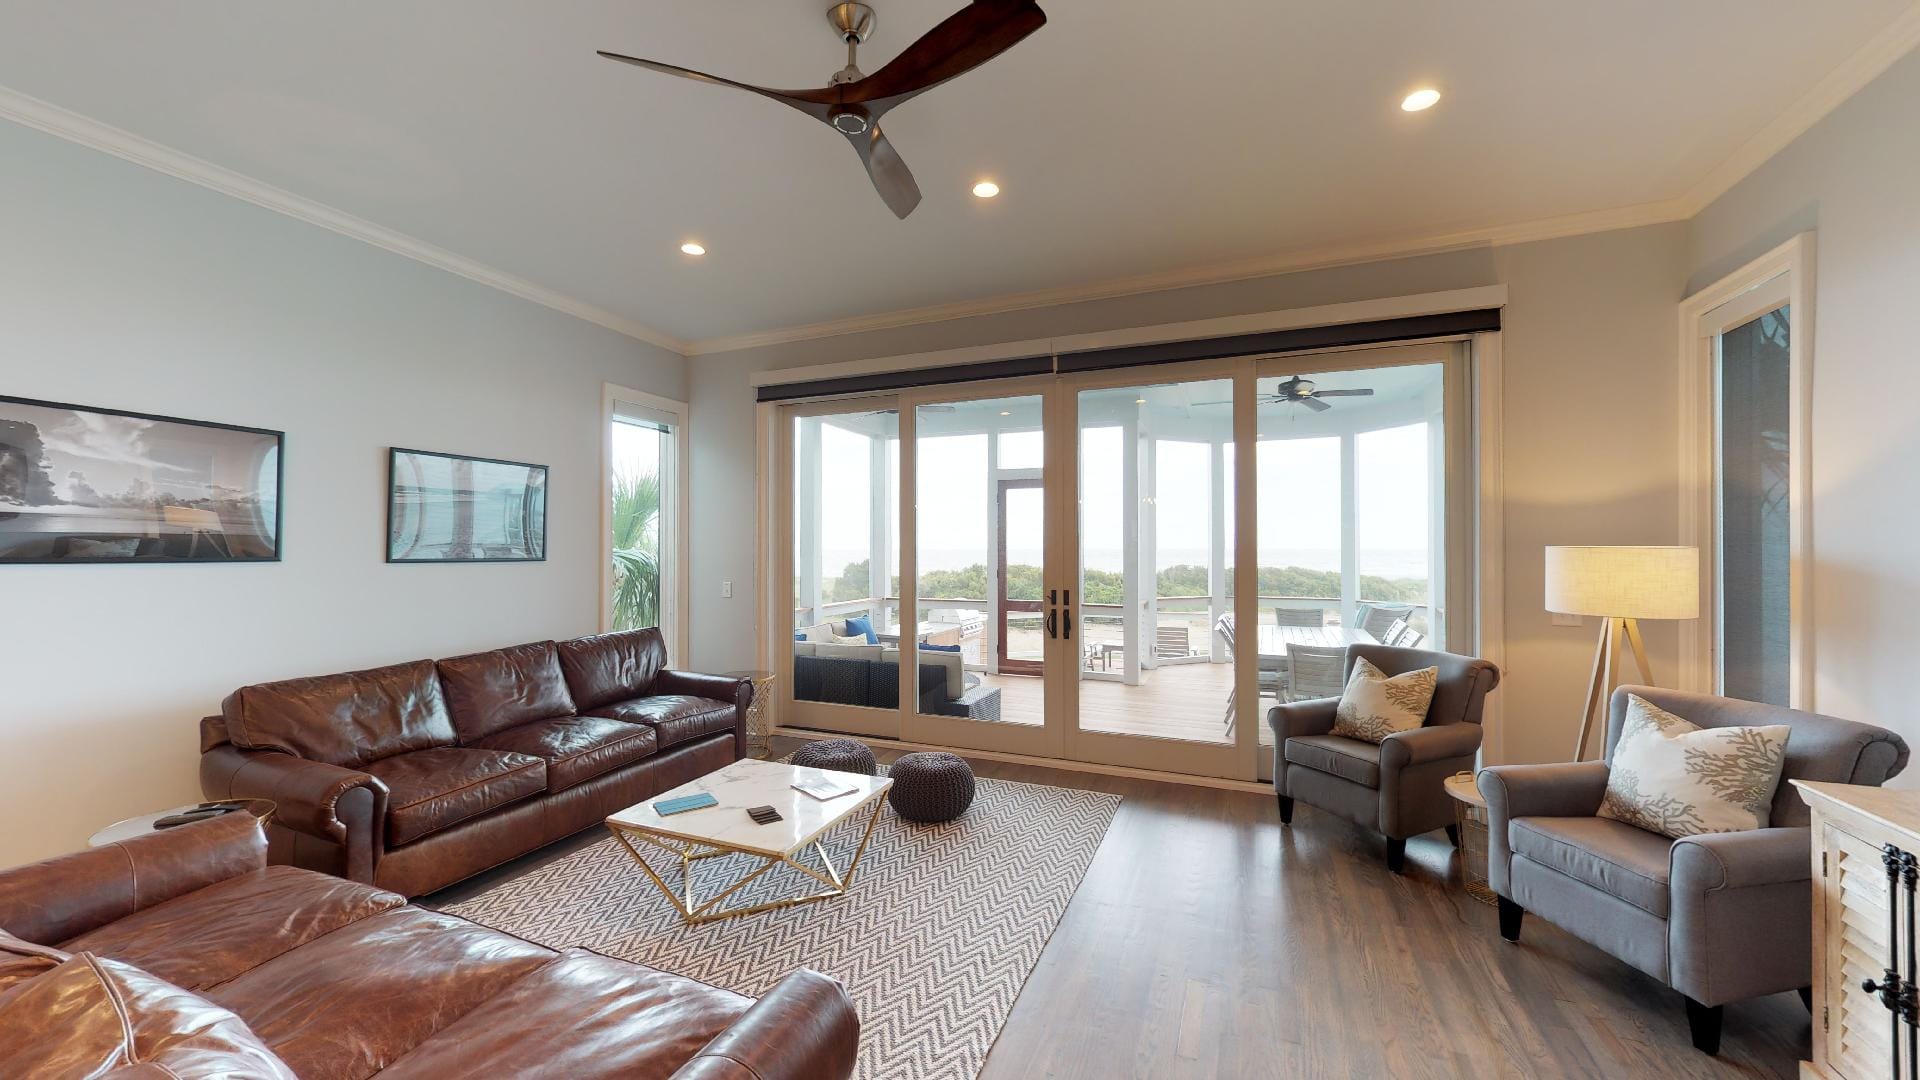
(644,490)
(1743,404)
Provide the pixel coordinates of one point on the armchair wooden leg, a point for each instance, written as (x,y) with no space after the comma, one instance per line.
(1396,855)
(1286,810)
(1453,835)
(1704,1020)
(1510,916)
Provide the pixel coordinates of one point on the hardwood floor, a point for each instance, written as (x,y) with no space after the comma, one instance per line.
(1206,941)
(1179,701)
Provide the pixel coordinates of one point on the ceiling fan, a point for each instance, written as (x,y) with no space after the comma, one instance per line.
(853,102)
(1299,391)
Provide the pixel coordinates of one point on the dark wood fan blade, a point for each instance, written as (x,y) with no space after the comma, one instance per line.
(1315,404)
(966,39)
(1343,393)
(891,177)
(814,103)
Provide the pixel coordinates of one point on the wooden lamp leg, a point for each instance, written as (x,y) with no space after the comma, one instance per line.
(1597,686)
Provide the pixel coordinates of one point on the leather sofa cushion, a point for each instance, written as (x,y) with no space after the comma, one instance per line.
(493,691)
(429,790)
(676,718)
(349,1004)
(1335,755)
(22,960)
(576,748)
(606,668)
(620,1020)
(210,935)
(92,1017)
(347,719)
(1611,856)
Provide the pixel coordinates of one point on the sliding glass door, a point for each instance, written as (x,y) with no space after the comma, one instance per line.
(1120,570)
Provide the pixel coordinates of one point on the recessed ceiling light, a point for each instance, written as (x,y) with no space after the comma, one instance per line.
(1006,412)
(1139,401)
(692,248)
(986,189)
(1420,99)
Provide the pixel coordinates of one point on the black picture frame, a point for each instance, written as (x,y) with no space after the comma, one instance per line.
(24,469)
(534,527)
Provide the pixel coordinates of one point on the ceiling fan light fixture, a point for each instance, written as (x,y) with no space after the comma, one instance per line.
(693,248)
(986,189)
(1420,100)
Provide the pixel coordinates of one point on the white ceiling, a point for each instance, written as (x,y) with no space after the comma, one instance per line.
(1131,138)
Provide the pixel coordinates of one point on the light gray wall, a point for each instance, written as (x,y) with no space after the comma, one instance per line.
(1591,450)
(1854,178)
(123,288)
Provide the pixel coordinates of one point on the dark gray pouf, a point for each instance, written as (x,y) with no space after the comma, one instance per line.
(930,787)
(840,755)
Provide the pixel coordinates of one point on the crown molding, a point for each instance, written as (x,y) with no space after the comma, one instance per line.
(31,112)
(1626,217)
(1866,64)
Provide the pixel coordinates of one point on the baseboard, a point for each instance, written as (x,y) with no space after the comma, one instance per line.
(1252,786)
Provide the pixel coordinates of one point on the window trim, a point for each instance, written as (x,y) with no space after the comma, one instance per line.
(673,530)
(1781,277)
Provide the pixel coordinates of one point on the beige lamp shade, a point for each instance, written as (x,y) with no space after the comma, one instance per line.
(1624,582)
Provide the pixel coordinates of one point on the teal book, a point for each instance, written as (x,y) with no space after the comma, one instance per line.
(684,803)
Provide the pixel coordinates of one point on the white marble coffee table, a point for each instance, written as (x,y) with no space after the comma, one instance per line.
(726,829)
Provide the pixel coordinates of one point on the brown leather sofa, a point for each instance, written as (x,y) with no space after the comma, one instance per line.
(184,954)
(414,776)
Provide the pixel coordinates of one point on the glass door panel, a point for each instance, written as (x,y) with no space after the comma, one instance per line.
(979,527)
(1155,647)
(1753,508)
(1351,514)
(845,499)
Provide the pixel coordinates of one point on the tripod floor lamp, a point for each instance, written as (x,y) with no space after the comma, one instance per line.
(1620,585)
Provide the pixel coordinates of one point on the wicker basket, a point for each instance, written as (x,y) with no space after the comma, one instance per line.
(1470,815)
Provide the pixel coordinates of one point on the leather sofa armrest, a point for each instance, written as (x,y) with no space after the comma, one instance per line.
(323,801)
(58,899)
(717,687)
(1740,922)
(1313,717)
(805,1028)
(1567,789)
(1424,744)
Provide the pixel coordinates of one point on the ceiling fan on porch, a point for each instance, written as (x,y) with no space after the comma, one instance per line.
(853,102)
(1298,391)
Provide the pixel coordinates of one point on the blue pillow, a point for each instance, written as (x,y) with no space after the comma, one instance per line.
(799,635)
(940,648)
(860,624)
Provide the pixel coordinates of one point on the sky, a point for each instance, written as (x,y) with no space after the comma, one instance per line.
(1299,517)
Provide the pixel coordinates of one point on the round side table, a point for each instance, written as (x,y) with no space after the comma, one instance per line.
(757,712)
(1470,814)
(140,826)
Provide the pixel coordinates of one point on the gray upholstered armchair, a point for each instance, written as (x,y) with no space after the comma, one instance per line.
(1396,787)
(1719,917)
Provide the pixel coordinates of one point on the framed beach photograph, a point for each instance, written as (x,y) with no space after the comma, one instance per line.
(449,508)
(86,485)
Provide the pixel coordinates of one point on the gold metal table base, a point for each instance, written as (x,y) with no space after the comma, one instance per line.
(695,912)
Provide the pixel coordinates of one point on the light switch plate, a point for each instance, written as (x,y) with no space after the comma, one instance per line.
(1566,620)
(726,590)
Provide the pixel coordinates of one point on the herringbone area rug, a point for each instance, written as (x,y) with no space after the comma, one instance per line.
(942,927)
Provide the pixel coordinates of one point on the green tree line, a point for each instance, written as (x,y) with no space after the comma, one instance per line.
(1108,586)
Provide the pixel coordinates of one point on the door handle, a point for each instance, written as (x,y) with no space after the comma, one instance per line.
(1050,624)
(1050,597)
(1066,615)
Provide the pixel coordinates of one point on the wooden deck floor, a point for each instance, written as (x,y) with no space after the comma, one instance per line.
(1183,701)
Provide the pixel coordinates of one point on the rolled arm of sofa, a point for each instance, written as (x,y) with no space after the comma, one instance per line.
(1302,718)
(805,1028)
(717,687)
(58,899)
(327,802)
(1570,789)
(1424,744)
(1741,922)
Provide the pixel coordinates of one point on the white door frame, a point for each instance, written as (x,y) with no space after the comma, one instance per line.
(675,597)
(1783,276)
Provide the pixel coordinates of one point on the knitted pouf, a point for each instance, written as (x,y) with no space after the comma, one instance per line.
(930,787)
(840,755)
